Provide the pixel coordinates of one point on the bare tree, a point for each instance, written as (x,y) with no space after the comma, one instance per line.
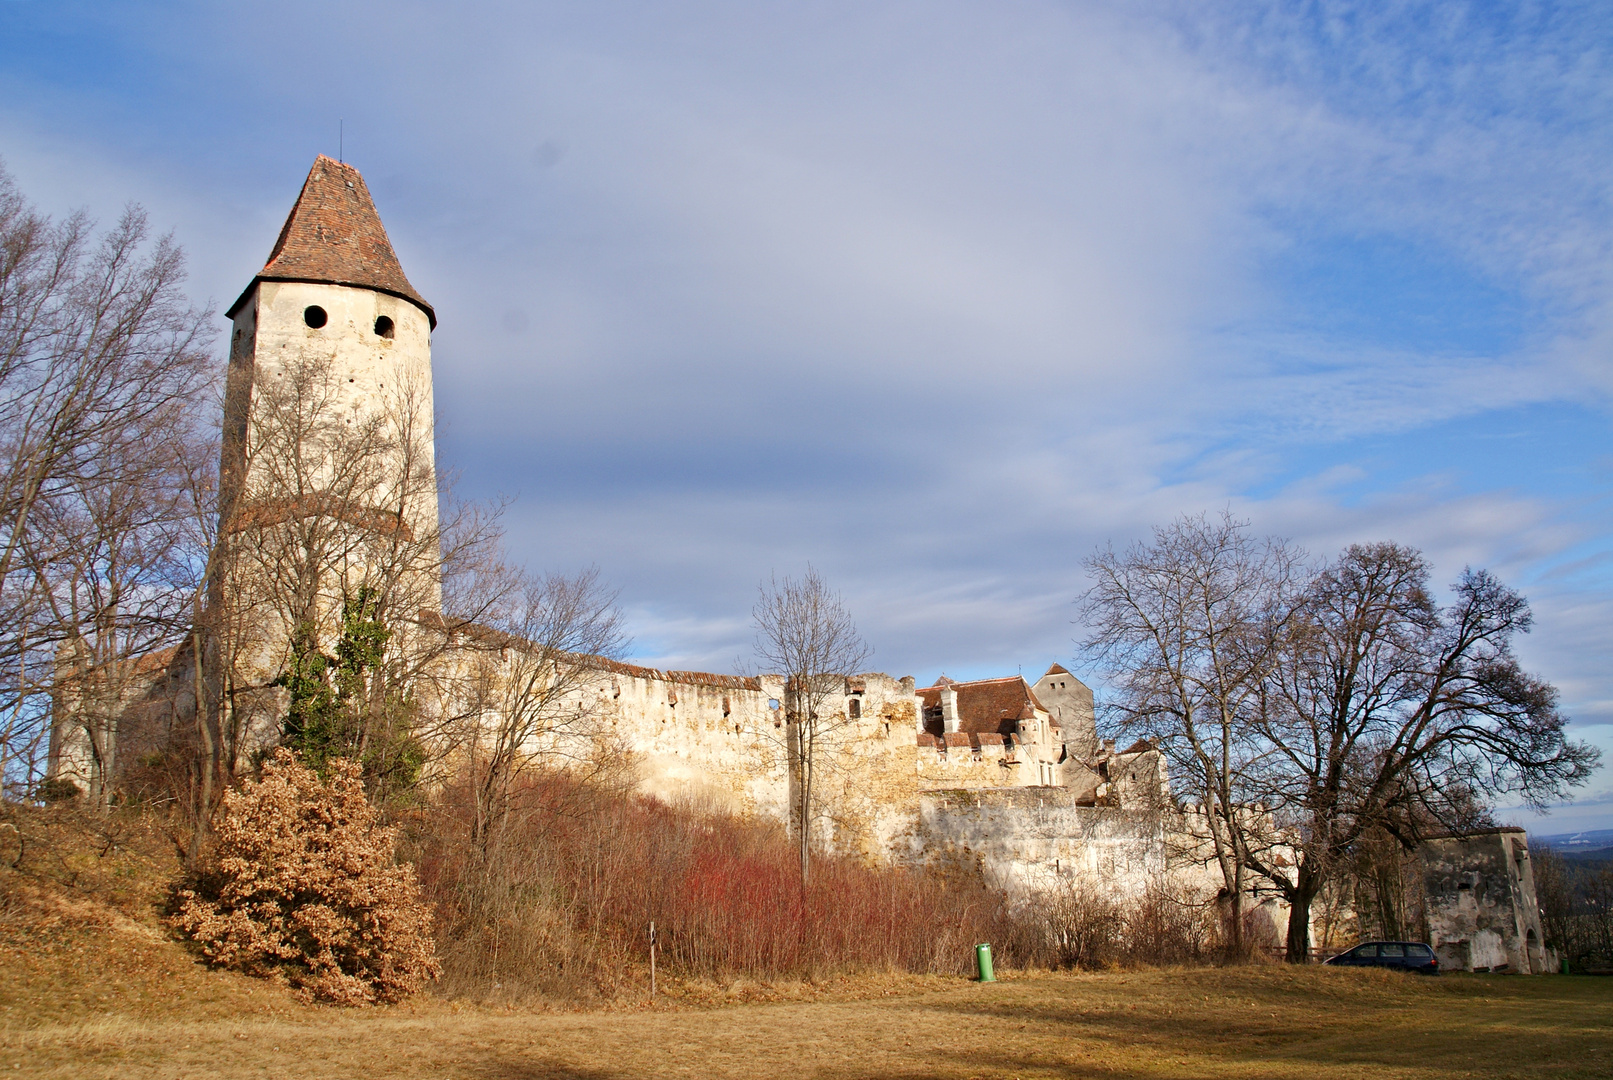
(526,685)
(1189,628)
(805,634)
(101,359)
(1391,716)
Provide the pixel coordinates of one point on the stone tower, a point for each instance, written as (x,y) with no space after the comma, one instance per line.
(1069,700)
(327,479)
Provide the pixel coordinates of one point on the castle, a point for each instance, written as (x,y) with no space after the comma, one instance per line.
(329,518)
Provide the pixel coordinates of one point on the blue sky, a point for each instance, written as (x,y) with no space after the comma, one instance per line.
(937,296)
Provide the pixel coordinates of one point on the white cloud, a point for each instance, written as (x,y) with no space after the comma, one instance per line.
(936,296)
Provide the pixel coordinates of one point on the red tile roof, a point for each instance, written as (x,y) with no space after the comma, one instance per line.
(996,705)
(1057,669)
(333,236)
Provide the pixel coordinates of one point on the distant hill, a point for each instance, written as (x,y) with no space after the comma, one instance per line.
(1594,845)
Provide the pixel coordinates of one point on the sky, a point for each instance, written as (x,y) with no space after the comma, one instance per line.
(936,297)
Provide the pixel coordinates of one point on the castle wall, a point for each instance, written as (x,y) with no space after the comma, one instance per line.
(720,740)
(1033,838)
(960,760)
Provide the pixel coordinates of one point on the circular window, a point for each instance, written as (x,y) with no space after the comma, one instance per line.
(314,316)
(383,326)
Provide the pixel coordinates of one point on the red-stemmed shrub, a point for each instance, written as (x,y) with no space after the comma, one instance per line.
(561,898)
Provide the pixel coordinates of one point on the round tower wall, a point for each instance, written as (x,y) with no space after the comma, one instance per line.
(370,374)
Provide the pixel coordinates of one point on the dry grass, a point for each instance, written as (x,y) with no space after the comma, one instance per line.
(1246,1022)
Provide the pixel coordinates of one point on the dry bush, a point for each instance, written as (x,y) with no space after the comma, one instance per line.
(301,884)
(561,899)
(1086,927)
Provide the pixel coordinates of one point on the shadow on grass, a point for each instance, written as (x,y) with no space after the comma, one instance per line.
(1303,1023)
(535,1070)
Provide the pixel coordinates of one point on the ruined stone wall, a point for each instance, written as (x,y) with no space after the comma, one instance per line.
(1479,896)
(719,740)
(960,760)
(1032,838)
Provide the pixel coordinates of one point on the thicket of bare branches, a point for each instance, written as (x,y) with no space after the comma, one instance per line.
(1087,926)
(523,699)
(805,634)
(104,457)
(301,884)
(1576,908)
(588,866)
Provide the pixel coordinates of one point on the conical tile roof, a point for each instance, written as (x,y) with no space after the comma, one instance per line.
(333,236)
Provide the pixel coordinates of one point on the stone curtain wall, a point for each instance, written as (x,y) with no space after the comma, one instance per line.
(1032,838)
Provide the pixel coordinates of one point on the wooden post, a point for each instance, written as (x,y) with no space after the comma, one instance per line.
(652,960)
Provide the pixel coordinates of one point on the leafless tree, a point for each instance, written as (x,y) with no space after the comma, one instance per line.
(1389,715)
(101,361)
(528,676)
(805,634)
(1189,628)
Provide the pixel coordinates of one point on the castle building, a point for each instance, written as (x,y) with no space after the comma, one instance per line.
(329,518)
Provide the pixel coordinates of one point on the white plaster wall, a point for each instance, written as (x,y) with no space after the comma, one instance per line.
(369,372)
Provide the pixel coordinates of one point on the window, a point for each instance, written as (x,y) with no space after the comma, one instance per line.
(856,709)
(383,327)
(1423,950)
(314,316)
(1391,948)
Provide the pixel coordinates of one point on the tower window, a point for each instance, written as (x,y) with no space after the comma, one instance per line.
(383,326)
(314,316)
(856,708)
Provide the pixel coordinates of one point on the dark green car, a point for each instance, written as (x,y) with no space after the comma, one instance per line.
(1402,955)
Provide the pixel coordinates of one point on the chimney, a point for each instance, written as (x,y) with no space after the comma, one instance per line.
(949,709)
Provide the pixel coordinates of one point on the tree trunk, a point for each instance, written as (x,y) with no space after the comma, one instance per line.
(799,779)
(1237,907)
(1299,926)
(204,728)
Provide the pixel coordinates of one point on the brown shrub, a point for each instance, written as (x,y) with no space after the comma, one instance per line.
(302,885)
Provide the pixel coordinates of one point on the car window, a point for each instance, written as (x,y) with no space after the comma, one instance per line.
(1364,952)
(1419,950)
(1392,949)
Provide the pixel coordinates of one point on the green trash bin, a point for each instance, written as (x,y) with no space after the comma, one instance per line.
(983,963)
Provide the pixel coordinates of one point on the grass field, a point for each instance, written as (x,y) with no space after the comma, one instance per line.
(1251,1022)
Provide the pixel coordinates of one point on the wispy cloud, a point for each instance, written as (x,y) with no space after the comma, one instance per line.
(936,296)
